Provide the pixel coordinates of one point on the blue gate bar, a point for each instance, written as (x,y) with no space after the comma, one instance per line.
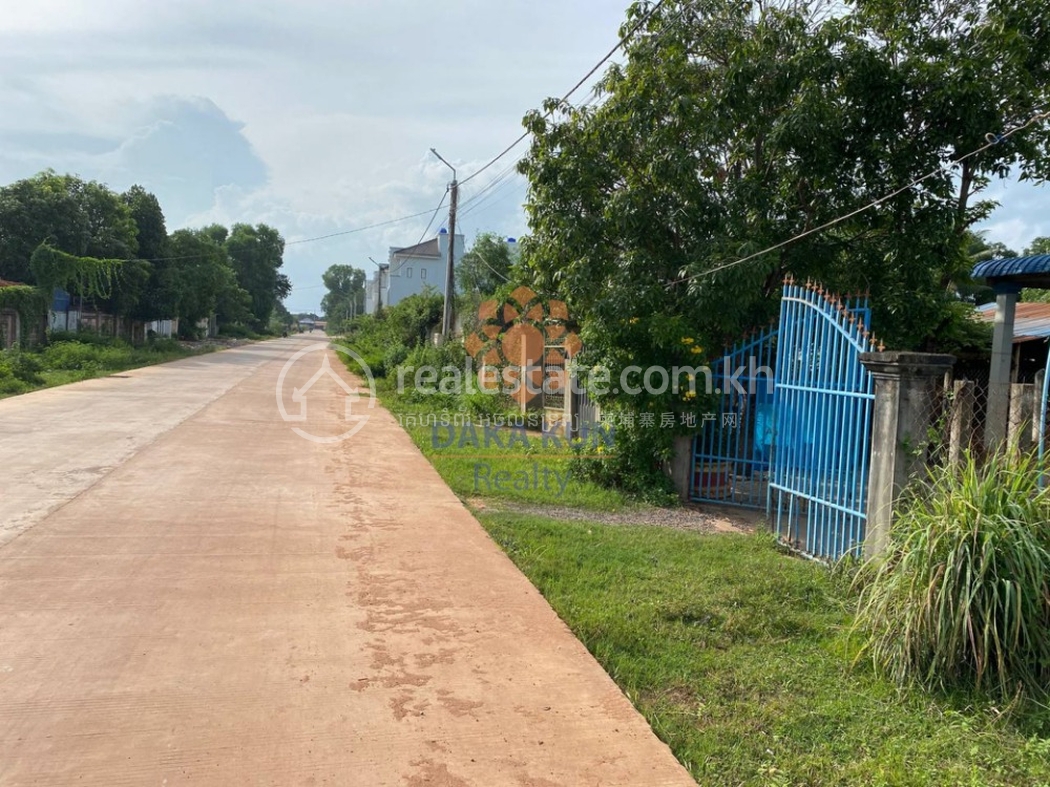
(823,400)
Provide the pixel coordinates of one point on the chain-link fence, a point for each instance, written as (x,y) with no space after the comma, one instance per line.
(956,415)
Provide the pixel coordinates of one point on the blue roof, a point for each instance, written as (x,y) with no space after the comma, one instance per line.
(1013,266)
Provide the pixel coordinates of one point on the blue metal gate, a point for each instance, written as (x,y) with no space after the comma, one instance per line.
(731,455)
(822,414)
(798,448)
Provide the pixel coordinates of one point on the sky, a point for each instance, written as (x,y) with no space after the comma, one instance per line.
(314,116)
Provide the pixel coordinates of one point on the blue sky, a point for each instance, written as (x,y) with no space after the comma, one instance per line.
(314,116)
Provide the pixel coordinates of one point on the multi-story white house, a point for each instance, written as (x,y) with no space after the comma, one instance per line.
(411,269)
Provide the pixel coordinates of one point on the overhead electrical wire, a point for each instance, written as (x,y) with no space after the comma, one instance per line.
(630,34)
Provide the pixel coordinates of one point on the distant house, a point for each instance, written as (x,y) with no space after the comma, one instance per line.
(410,269)
(1031,338)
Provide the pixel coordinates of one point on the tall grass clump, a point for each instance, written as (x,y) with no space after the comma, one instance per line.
(961,598)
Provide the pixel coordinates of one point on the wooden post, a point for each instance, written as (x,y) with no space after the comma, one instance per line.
(961,432)
(1019,432)
(1037,405)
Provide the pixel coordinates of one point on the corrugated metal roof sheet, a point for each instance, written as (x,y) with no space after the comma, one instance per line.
(1012,266)
(1031,320)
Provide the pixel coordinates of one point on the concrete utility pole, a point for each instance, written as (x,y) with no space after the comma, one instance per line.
(379,285)
(450,286)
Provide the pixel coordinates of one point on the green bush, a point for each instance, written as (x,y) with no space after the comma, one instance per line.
(961,598)
(238,332)
(83,337)
(19,371)
(489,405)
(395,355)
(75,356)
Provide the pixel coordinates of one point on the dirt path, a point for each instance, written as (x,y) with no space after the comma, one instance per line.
(709,519)
(235,605)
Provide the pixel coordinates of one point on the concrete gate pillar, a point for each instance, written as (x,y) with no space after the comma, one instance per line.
(999,374)
(900,417)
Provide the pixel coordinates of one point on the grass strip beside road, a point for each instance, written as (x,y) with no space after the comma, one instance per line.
(737,655)
(70,361)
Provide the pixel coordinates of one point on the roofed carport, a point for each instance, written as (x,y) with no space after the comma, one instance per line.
(1007,277)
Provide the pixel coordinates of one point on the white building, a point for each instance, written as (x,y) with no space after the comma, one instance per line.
(411,269)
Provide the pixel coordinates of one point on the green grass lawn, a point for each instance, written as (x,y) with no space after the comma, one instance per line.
(534,471)
(737,655)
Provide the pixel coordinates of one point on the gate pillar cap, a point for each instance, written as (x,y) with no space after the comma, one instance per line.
(899,363)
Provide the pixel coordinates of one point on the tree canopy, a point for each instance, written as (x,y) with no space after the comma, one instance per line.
(60,231)
(825,133)
(736,126)
(345,297)
(486,266)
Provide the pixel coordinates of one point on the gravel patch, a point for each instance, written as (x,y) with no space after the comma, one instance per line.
(690,518)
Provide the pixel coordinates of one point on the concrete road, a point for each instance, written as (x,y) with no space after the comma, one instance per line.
(192,593)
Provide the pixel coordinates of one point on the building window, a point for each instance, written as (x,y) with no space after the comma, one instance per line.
(422,273)
(410,273)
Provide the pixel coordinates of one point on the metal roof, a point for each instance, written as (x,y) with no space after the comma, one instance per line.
(1009,267)
(1031,320)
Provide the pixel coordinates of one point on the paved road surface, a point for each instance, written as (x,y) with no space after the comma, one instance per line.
(190,593)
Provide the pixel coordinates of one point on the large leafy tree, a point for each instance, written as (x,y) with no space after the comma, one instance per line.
(1039,245)
(256,254)
(202,278)
(736,126)
(78,217)
(345,296)
(486,266)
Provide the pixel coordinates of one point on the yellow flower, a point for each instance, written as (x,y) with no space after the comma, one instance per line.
(696,350)
(687,340)
(634,321)
(689,395)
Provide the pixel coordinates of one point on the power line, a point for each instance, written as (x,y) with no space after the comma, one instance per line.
(358,229)
(993,140)
(430,223)
(630,34)
(498,183)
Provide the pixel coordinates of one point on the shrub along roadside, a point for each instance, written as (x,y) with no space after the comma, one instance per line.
(961,599)
(81,356)
(528,469)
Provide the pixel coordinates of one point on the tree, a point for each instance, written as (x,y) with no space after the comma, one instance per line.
(81,218)
(486,266)
(256,254)
(346,294)
(202,279)
(145,210)
(1039,245)
(735,127)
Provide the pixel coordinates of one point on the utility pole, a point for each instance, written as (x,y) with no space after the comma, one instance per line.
(379,285)
(450,285)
